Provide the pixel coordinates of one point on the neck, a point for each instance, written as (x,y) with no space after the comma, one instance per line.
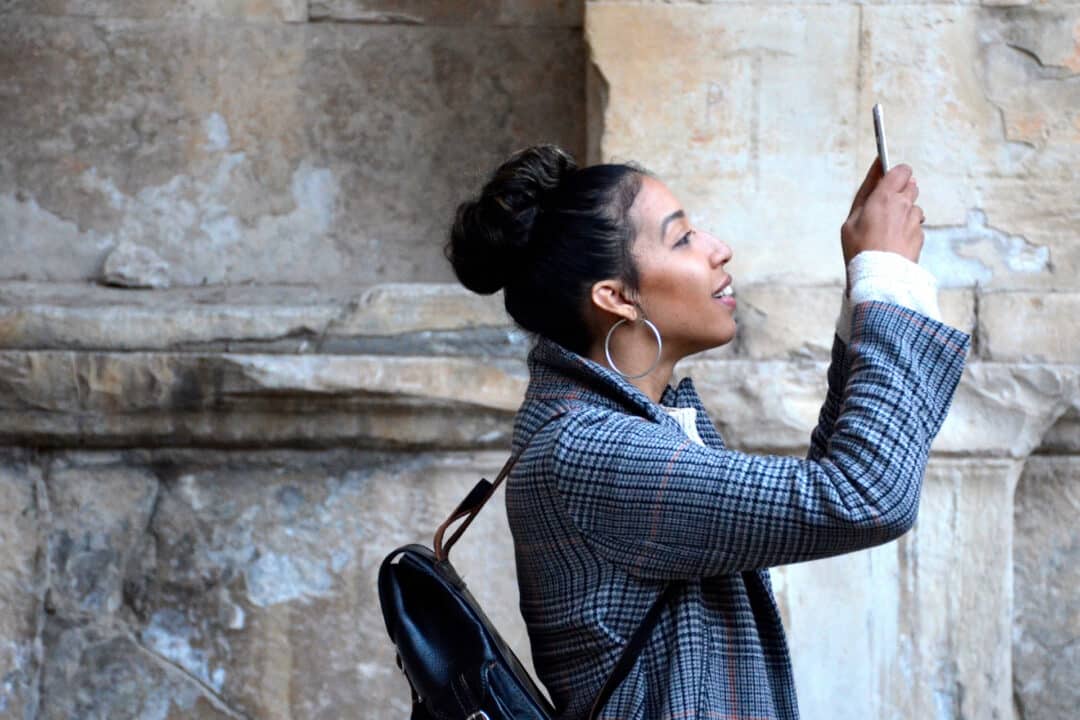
(633,357)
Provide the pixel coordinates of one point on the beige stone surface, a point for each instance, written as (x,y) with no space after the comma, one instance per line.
(1030,327)
(560,13)
(916,628)
(263,152)
(248,10)
(1046,561)
(746,113)
(21,583)
(996,151)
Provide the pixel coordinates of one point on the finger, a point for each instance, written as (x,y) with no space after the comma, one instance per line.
(911,190)
(897,178)
(873,175)
(915,217)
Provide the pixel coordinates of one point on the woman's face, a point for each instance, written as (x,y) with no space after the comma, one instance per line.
(680,271)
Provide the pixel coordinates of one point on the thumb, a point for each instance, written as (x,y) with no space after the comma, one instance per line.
(896,179)
(873,175)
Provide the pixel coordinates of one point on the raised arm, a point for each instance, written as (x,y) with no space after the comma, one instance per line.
(881,240)
(650,500)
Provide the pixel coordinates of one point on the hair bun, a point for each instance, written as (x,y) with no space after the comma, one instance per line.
(490,232)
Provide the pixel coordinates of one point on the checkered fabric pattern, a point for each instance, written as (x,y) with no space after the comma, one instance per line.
(612,500)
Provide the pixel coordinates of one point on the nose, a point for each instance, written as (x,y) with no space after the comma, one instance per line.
(721,252)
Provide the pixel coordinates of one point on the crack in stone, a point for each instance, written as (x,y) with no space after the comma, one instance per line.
(169,666)
(320,12)
(977,331)
(1050,72)
(43,517)
(347,308)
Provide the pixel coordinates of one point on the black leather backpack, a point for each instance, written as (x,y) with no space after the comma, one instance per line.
(457,665)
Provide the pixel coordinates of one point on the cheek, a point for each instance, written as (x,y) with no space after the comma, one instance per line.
(678,293)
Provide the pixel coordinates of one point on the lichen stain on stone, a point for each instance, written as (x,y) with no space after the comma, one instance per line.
(217,132)
(974,253)
(275,578)
(170,635)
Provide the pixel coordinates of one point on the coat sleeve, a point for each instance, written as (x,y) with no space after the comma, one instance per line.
(837,378)
(646,498)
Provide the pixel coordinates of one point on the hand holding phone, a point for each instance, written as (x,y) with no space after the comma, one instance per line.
(883,214)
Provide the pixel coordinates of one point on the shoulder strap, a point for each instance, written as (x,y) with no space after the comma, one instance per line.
(476,499)
(474,502)
(632,649)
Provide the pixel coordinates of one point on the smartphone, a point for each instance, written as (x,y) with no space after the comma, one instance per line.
(879,132)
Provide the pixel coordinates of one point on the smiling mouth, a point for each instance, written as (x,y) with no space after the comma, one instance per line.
(728,291)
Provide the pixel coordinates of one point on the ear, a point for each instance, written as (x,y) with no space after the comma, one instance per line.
(612,296)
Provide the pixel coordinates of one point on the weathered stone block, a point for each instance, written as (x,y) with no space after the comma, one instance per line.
(1030,326)
(96,674)
(1063,438)
(397,308)
(21,584)
(782,321)
(185,399)
(266,572)
(996,158)
(920,627)
(263,152)
(1006,410)
(754,132)
(98,516)
(958,309)
(1046,561)
(45,316)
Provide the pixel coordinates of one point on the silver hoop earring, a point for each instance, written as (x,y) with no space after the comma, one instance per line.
(607,349)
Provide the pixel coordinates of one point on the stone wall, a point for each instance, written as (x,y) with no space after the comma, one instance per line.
(233,374)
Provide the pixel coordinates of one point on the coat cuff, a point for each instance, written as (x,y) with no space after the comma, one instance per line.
(887,277)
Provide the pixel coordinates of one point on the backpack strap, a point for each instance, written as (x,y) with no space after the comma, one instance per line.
(476,499)
(633,649)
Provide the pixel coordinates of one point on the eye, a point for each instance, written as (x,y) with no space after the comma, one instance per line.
(684,239)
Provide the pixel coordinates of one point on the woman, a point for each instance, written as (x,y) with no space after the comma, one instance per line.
(630,487)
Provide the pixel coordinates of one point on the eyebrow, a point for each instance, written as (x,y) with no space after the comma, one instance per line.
(673,216)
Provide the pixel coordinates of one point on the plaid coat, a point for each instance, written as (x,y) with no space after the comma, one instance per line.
(612,500)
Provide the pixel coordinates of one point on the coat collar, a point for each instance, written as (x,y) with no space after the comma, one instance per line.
(552,368)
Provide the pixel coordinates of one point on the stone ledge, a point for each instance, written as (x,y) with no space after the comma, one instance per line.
(183,399)
(258,319)
(293,11)
(515,13)
(388,319)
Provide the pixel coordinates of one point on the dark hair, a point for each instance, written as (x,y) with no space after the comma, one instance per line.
(544,230)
